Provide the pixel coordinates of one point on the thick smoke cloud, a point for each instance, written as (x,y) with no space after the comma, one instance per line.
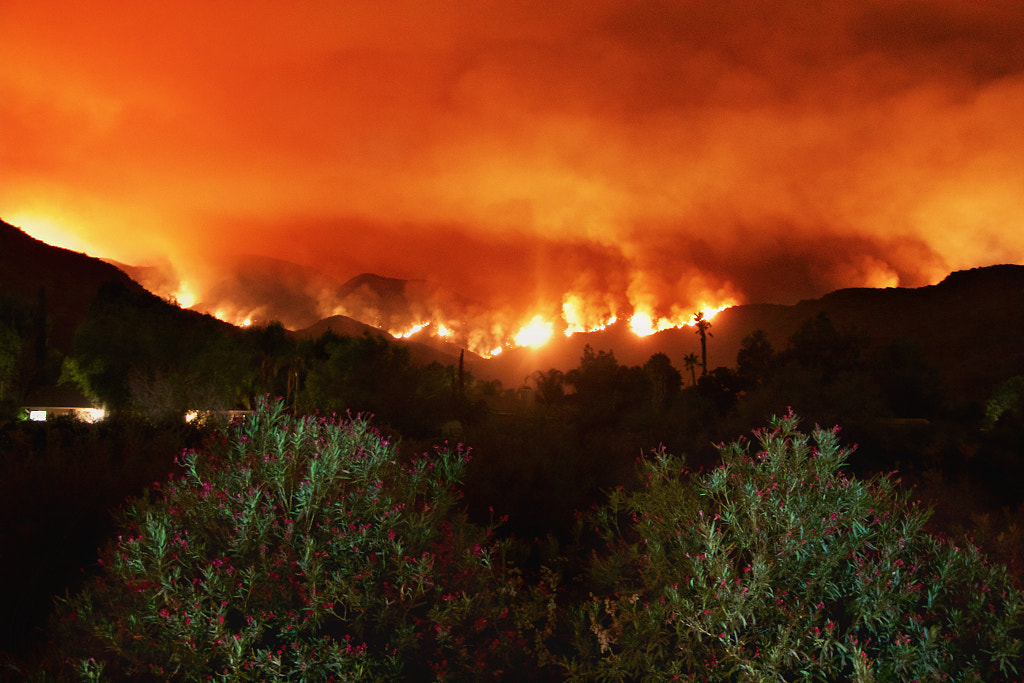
(516,157)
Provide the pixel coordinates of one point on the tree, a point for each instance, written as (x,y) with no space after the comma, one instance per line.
(664,380)
(137,353)
(1007,399)
(274,352)
(909,385)
(722,387)
(550,386)
(819,346)
(595,375)
(702,326)
(691,361)
(10,352)
(365,373)
(755,359)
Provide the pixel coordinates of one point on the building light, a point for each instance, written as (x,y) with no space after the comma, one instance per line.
(91,415)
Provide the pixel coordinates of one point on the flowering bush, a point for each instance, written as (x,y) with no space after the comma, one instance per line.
(776,566)
(302,549)
(306,549)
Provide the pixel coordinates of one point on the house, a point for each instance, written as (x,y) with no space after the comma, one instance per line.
(57,401)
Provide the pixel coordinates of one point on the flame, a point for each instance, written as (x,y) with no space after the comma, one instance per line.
(576,316)
(184,296)
(409,332)
(535,333)
(643,324)
(580,314)
(710,311)
(236,320)
(575,321)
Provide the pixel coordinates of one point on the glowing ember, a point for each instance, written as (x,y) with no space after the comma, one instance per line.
(536,333)
(443,331)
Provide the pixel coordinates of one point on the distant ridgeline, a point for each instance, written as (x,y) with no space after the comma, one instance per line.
(970,326)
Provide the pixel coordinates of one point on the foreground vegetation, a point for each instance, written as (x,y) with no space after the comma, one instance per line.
(552,554)
(308,548)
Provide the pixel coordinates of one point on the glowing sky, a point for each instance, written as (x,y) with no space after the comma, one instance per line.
(623,155)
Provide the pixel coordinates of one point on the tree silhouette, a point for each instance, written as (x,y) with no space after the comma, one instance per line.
(702,326)
(819,345)
(10,351)
(664,379)
(691,362)
(550,385)
(722,387)
(755,359)
(595,375)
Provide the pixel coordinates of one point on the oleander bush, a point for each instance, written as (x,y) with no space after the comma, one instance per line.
(777,567)
(308,549)
(302,549)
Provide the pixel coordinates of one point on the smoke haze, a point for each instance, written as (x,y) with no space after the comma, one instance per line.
(518,156)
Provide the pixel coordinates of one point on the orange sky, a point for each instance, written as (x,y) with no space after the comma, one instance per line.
(633,155)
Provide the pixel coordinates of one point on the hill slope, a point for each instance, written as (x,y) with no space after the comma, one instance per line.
(970,327)
(64,282)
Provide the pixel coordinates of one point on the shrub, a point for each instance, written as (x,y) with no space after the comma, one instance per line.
(776,566)
(301,549)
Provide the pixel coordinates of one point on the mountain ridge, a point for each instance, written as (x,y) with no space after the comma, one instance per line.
(62,281)
(948,320)
(970,325)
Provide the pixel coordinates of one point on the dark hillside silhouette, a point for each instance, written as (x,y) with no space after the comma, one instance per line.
(970,326)
(423,350)
(67,280)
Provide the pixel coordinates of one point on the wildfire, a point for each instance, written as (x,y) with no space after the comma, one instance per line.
(184,296)
(409,332)
(535,333)
(236,320)
(573,308)
(540,329)
(643,324)
(577,317)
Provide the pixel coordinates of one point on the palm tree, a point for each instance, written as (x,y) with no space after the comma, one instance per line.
(691,362)
(702,326)
(550,385)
